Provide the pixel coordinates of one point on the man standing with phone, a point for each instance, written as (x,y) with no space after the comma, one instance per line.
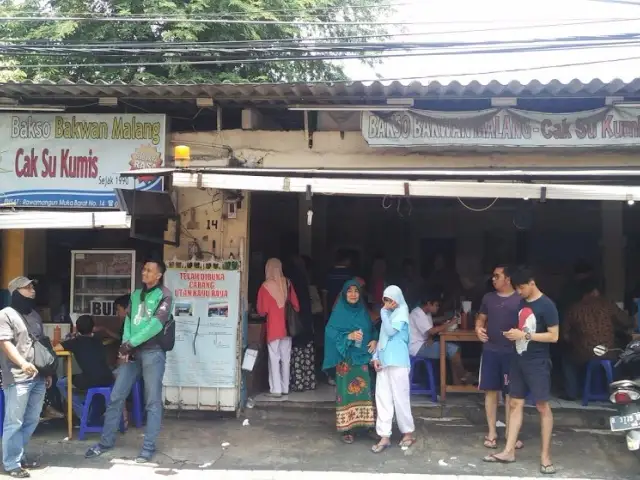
(24,389)
(498,313)
(142,354)
(531,366)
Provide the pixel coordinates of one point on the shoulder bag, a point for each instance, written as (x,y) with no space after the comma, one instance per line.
(44,356)
(291,317)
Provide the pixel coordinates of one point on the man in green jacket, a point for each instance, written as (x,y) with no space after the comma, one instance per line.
(141,354)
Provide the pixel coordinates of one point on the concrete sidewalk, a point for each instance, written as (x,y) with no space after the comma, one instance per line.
(267,449)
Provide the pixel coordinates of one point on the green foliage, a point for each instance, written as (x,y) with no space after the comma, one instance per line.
(87,31)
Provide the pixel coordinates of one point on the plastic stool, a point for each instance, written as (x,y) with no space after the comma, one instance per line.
(589,392)
(137,412)
(429,386)
(105,392)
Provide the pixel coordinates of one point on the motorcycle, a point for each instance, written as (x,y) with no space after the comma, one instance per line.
(625,394)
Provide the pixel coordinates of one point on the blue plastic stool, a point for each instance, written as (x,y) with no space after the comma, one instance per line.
(85,428)
(137,412)
(591,393)
(429,386)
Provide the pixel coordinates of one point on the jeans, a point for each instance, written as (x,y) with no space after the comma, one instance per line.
(150,363)
(23,404)
(77,402)
(432,351)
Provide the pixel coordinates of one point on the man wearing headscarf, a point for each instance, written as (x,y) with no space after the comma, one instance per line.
(24,389)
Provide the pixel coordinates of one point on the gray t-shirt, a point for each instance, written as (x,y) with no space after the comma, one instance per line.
(502,315)
(14,329)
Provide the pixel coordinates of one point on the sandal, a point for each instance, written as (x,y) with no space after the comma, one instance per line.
(496,459)
(491,443)
(547,469)
(348,438)
(19,473)
(380,447)
(407,442)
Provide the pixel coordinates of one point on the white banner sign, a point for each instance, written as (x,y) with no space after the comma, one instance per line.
(206,311)
(74,160)
(608,127)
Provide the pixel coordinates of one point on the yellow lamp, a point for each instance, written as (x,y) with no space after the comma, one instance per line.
(182,155)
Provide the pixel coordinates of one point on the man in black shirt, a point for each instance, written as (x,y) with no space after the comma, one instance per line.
(91,356)
(531,366)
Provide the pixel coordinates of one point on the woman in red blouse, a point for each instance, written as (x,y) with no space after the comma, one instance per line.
(272,297)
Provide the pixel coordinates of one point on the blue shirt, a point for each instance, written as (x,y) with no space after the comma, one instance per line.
(536,317)
(396,350)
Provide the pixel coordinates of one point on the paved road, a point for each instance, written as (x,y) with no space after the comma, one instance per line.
(267,451)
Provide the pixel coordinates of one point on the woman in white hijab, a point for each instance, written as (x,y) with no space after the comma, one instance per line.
(391,361)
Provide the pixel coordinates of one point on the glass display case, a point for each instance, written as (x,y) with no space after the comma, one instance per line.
(98,277)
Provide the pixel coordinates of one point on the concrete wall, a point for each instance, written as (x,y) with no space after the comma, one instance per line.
(336,149)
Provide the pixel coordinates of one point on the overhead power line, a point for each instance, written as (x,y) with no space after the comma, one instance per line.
(445,75)
(246,13)
(164,19)
(290,45)
(177,61)
(479,73)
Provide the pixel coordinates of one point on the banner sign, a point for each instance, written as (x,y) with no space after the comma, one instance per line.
(74,160)
(609,127)
(206,307)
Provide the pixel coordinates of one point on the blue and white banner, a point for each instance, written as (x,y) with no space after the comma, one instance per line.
(73,160)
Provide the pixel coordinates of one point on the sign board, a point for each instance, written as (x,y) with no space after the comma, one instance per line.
(103,308)
(206,307)
(609,127)
(74,160)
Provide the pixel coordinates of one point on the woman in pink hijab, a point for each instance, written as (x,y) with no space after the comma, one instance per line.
(272,297)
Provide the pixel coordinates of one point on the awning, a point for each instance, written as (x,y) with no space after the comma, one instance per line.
(61,220)
(415,188)
(531,173)
(565,184)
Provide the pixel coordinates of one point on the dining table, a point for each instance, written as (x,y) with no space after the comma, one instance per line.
(68,358)
(454,336)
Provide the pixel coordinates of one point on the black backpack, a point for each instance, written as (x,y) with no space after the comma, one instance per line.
(167,337)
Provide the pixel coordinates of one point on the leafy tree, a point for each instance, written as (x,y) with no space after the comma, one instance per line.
(83,33)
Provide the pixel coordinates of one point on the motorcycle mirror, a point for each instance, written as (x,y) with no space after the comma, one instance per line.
(600,350)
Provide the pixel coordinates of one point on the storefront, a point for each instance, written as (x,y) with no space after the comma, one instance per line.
(60,220)
(564,213)
(451,168)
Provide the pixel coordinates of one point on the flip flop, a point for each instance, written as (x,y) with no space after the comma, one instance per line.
(491,443)
(406,442)
(519,445)
(548,469)
(495,459)
(348,438)
(379,448)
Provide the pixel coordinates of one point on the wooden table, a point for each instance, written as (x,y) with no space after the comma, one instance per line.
(455,336)
(69,362)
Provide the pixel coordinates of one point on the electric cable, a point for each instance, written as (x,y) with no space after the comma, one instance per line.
(161,19)
(176,61)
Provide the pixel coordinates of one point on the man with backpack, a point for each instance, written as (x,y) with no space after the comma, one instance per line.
(23,383)
(148,335)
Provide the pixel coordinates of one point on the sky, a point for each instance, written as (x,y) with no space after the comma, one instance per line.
(515,20)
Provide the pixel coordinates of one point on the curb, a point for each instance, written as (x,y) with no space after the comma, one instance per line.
(309,412)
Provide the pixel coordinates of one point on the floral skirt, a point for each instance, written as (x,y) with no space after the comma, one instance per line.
(354,405)
(303,368)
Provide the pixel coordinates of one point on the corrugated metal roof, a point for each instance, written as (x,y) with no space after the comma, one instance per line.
(323,93)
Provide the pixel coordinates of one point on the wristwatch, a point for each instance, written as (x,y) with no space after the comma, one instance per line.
(527,336)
